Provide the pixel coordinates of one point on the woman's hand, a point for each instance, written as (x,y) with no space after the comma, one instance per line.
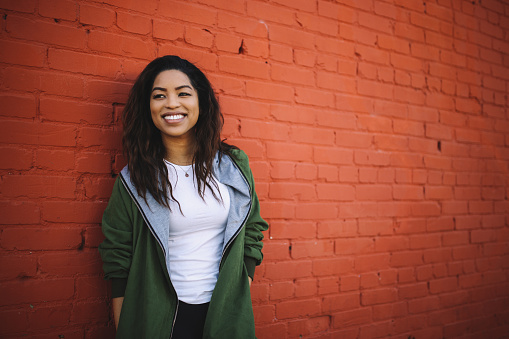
(117,307)
(250,281)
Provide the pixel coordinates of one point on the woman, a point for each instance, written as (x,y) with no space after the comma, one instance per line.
(182,228)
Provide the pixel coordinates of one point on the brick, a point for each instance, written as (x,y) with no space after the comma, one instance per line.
(49,82)
(19,212)
(35,186)
(134,23)
(83,262)
(317,24)
(13,320)
(48,317)
(294,75)
(278,250)
(443,285)
(299,191)
(325,267)
(104,138)
(86,312)
(262,90)
(294,37)
(41,239)
(188,12)
(340,228)
(409,324)
(288,270)
(375,22)
(23,106)
(281,290)
(36,290)
(59,160)
(242,24)
(406,258)
(57,109)
(352,318)
(281,53)
(109,91)
(329,155)
(335,82)
(264,314)
(42,31)
(96,15)
(199,37)
(93,162)
(294,230)
(167,30)
(279,330)
(306,171)
(243,66)
(312,135)
(343,302)
(314,97)
(244,108)
(121,45)
(148,7)
(317,211)
(373,192)
(73,211)
(18,266)
(22,54)
(306,249)
(391,244)
(15,158)
(83,63)
(305,287)
(255,48)
(59,9)
(285,151)
(366,263)
(236,6)
(378,296)
(299,308)
(359,35)
(270,12)
(26,6)
(308,326)
(335,192)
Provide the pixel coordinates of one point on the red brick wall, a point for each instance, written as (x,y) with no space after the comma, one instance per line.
(378,133)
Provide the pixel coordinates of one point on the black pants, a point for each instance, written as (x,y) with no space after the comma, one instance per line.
(190,321)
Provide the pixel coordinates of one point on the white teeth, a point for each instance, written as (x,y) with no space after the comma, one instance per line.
(174,117)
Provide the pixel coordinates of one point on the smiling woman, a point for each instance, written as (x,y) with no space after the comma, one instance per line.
(175,109)
(183,231)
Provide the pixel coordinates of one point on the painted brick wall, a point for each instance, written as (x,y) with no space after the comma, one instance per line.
(378,133)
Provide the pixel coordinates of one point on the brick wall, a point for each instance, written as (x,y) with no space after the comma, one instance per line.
(378,133)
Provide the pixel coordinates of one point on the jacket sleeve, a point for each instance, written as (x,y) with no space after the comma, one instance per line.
(254,225)
(116,249)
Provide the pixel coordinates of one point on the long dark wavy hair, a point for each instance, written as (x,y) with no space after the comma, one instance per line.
(142,141)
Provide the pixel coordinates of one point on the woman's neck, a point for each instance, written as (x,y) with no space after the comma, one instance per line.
(179,153)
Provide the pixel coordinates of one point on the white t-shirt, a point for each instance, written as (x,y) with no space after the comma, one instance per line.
(196,235)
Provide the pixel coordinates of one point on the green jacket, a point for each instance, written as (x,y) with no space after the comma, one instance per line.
(135,257)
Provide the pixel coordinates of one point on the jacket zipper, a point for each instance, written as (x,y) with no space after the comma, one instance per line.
(154,235)
(245,219)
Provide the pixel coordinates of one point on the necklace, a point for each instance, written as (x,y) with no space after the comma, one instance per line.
(186,174)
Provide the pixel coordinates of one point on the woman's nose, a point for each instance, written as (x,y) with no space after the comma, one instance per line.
(172,101)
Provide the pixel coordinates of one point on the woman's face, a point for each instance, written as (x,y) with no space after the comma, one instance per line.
(174,106)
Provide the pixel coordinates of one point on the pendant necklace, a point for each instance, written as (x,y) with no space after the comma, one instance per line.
(186,174)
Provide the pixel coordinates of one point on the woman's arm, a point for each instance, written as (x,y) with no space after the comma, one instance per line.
(117,307)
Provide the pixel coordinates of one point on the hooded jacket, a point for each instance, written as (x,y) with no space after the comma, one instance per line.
(135,257)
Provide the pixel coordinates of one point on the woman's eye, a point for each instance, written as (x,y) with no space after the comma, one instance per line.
(184,94)
(158,96)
